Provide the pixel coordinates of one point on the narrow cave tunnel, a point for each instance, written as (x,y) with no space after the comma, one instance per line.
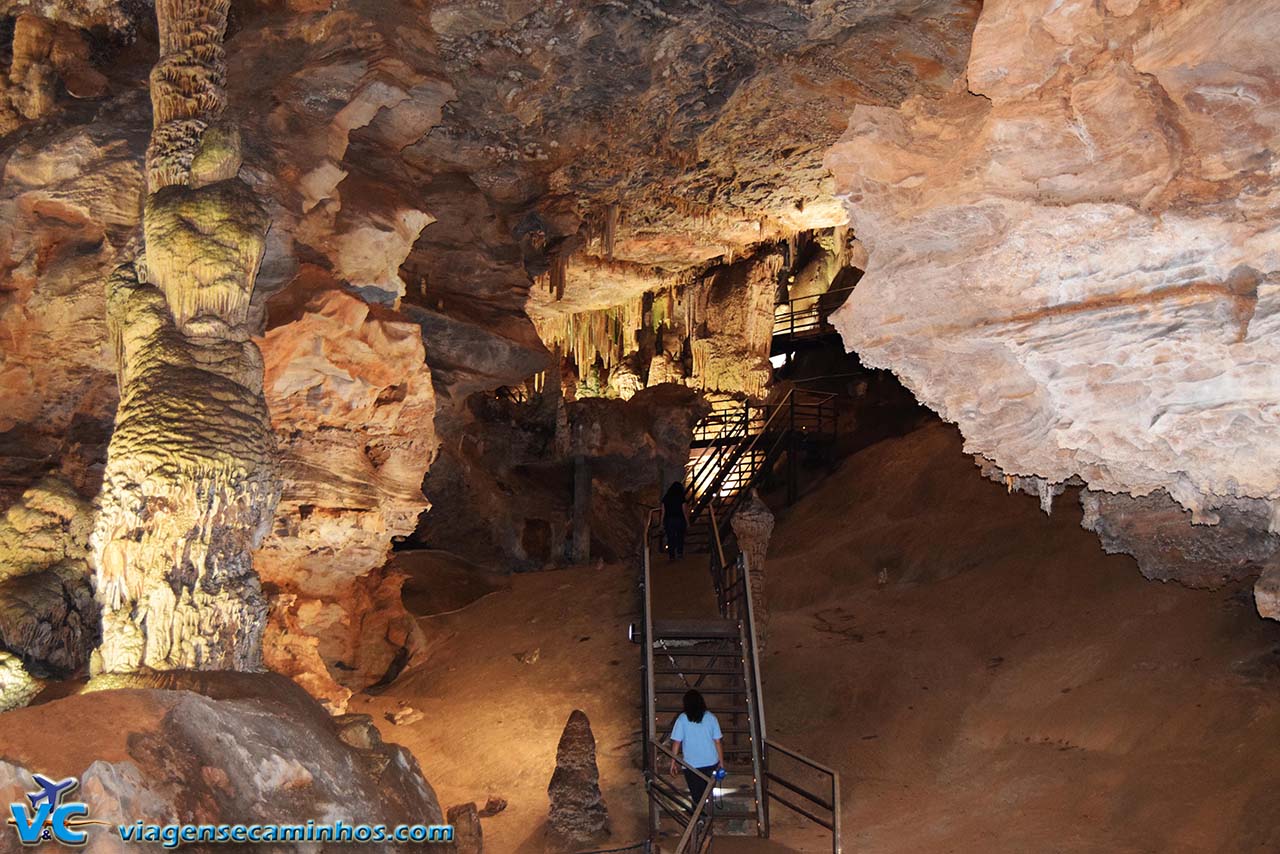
(673,426)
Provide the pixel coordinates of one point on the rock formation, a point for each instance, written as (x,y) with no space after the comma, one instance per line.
(17,686)
(578,817)
(1168,547)
(1266,592)
(48,56)
(252,749)
(468,836)
(333,361)
(753,525)
(48,617)
(1072,257)
(190,484)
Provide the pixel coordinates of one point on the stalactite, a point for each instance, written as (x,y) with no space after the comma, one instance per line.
(612,216)
(606,335)
(558,274)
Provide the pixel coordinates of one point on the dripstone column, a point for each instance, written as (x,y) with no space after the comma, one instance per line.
(190,486)
(753,525)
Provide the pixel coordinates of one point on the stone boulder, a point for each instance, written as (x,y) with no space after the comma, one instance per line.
(578,817)
(248,749)
(468,838)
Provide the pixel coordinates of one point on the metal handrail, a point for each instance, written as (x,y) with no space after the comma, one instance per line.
(650,701)
(815,316)
(739,451)
(759,733)
(806,410)
(692,832)
(832,806)
(739,428)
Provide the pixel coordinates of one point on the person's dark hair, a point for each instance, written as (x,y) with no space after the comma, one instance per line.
(674,492)
(694,706)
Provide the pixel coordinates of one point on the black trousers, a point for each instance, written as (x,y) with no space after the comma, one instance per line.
(675,537)
(697,786)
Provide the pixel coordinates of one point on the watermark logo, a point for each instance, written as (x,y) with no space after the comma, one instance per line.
(48,818)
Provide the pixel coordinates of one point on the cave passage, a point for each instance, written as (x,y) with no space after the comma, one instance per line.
(580,426)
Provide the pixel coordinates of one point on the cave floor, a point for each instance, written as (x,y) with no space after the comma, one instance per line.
(983,676)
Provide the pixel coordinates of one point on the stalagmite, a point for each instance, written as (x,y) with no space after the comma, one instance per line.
(190,485)
(753,526)
(578,817)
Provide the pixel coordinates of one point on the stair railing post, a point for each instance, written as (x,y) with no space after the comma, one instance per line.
(791,451)
(650,704)
(755,701)
(836,844)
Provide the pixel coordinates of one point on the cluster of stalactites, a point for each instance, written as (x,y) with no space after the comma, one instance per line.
(604,335)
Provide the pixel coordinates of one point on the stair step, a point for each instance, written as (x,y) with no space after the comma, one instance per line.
(695,671)
(694,629)
(682,689)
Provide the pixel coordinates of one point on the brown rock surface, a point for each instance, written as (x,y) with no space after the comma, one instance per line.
(1073,257)
(48,617)
(255,750)
(468,836)
(1168,547)
(332,362)
(578,816)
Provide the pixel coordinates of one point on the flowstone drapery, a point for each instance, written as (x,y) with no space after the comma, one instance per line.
(190,485)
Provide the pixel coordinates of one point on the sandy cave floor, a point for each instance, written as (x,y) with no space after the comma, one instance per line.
(983,676)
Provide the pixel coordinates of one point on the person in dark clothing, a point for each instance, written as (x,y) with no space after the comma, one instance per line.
(675,521)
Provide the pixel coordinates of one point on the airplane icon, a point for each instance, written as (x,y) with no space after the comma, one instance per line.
(51,792)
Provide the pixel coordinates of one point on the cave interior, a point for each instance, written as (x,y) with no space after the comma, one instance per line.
(409,405)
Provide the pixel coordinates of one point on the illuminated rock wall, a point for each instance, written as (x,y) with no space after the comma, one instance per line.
(190,484)
(1074,257)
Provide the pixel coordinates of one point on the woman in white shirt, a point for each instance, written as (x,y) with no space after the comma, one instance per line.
(697,733)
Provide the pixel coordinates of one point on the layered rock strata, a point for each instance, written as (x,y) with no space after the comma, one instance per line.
(1073,258)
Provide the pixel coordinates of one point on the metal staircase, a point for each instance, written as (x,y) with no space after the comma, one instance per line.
(737,444)
(805,319)
(717,656)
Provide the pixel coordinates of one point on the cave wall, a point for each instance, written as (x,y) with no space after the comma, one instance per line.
(654,140)
(338,353)
(1073,254)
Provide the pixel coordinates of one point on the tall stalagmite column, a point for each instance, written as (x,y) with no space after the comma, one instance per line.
(753,526)
(191,484)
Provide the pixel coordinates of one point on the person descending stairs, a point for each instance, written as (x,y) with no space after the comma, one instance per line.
(699,638)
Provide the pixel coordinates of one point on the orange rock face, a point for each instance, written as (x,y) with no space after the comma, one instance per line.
(1074,258)
(331,362)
